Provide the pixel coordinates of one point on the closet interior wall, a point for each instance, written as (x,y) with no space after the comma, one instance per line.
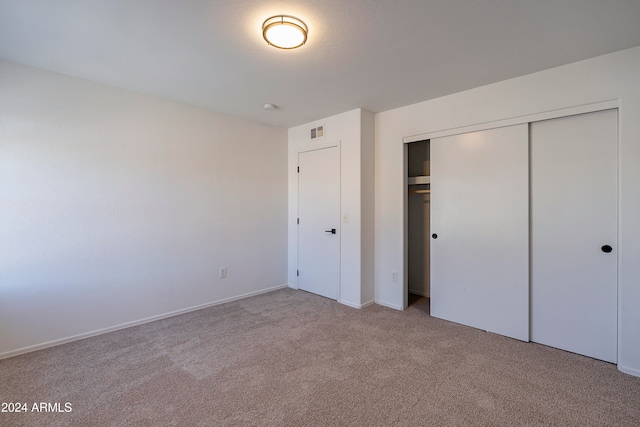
(418,219)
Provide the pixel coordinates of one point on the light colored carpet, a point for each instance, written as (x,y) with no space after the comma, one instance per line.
(289,358)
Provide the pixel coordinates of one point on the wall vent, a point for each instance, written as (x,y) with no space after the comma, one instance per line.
(317,132)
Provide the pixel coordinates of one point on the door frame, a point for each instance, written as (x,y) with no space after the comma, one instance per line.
(305,149)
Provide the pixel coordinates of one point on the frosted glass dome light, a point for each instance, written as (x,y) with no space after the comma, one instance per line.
(285,32)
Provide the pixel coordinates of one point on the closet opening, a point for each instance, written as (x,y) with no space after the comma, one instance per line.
(418,224)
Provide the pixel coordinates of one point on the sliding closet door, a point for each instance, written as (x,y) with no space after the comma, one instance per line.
(480,230)
(574,233)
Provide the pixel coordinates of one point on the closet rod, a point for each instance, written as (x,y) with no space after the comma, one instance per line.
(419,191)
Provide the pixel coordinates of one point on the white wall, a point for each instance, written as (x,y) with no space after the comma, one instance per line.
(353,130)
(610,77)
(116,207)
(367,207)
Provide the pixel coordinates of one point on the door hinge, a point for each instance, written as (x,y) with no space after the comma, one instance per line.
(297,272)
(298,169)
(298,221)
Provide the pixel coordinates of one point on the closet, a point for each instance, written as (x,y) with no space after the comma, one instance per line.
(523,231)
(418,219)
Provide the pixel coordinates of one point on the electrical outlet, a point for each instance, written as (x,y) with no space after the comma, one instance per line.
(394,276)
(223,272)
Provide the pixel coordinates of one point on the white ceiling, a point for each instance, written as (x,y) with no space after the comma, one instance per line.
(374,54)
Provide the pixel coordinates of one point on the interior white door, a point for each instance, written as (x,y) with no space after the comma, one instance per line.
(574,215)
(319,222)
(480,215)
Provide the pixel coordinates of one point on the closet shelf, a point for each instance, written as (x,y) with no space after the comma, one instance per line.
(418,180)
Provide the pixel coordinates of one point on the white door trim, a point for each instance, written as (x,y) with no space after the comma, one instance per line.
(318,146)
(529,118)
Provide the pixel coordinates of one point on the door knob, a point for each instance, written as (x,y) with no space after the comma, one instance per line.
(606,249)
(332,231)
(434,235)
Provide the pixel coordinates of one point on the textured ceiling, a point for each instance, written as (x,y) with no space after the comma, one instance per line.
(374,54)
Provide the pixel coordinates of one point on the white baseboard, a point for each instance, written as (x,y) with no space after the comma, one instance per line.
(358,306)
(386,304)
(293,286)
(630,371)
(54,343)
(419,293)
(368,303)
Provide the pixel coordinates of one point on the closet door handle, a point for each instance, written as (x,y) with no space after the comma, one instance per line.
(606,249)
(332,231)
(434,236)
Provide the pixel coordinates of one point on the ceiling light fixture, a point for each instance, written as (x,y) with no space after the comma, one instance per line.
(285,32)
